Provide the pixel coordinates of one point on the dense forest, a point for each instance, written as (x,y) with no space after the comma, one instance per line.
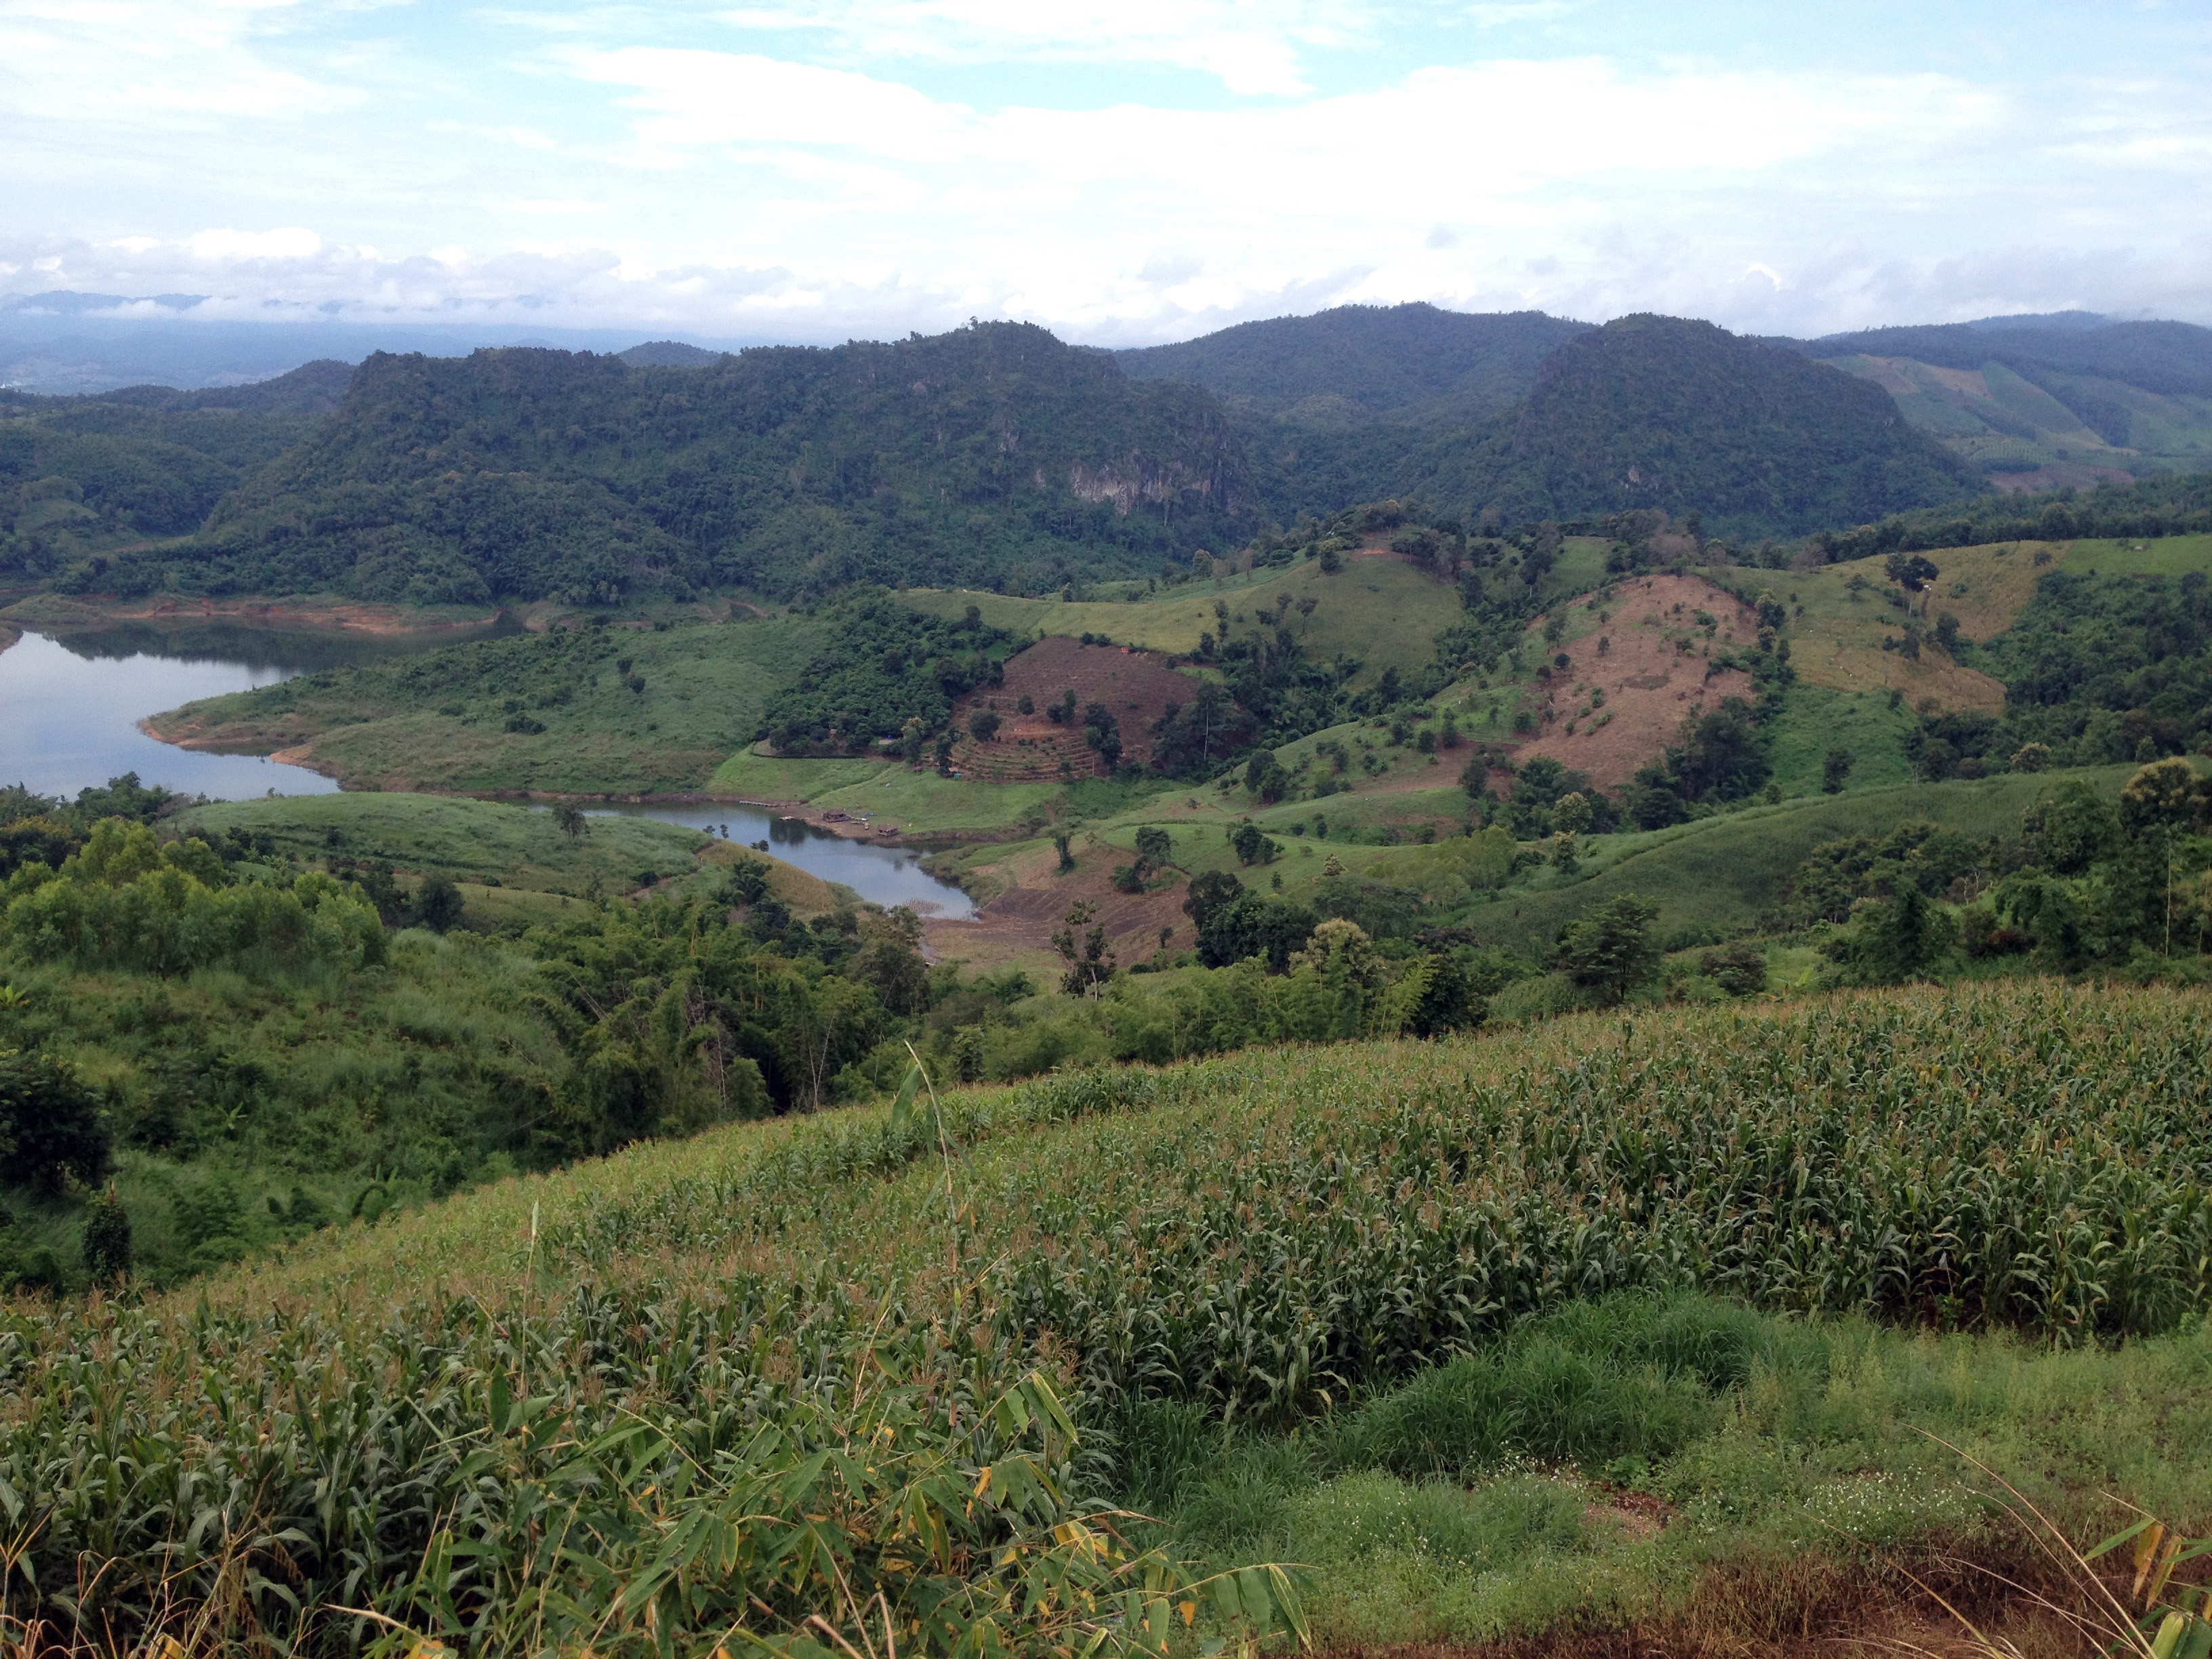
(1659,413)
(143,461)
(995,454)
(1412,364)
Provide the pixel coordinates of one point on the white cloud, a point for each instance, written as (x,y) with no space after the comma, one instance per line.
(1252,46)
(695,97)
(224,246)
(136,63)
(621,164)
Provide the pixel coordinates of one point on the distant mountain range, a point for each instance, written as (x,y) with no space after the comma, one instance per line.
(1000,455)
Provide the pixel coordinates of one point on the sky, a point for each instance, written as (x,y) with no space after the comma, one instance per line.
(1121,171)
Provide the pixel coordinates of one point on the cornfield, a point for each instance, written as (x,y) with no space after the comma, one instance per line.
(847,1383)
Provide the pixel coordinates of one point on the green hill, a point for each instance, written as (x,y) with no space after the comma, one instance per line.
(81,475)
(995,454)
(1413,363)
(1657,412)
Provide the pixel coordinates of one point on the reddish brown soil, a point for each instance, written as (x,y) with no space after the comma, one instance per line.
(1650,684)
(1136,685)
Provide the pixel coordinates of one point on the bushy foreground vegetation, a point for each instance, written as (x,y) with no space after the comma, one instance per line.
(890,1377)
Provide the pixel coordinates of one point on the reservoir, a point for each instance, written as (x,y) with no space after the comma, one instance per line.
(69,715)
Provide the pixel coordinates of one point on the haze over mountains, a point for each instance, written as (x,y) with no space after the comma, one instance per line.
(1000,456)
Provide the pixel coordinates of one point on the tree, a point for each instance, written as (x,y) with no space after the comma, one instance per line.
(1208,893)
(438,902)
(1834,770)
(1249,925)
(1900,941)
(914,737)
(1449,1001)
(107,1238)
(1252,846)
(1474,776)
(1946,634)
(945,742)
(1265,777)
(1062,840)
(1909,571)
(51,1128)
(2165,796)
(2069,828)
(983,726)
(1101,732)
(1571,814)
(1608,950)
(1082,944)
(1154,847)
(570,821)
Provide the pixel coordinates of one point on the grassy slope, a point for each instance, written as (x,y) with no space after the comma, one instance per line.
(1431,1507)
(537,870)
(1381,610)
(387,1068)
(917,802)
(1722,873)
(438,722)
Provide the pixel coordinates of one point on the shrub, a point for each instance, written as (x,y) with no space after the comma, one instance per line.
(52,1131)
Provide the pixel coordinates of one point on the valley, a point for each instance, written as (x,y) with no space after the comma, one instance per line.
(1542,988)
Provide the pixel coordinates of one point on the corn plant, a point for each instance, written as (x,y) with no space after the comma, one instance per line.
(849,1381)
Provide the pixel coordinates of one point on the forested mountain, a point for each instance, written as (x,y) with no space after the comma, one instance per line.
(1415,363)
(80,473)
(991,455)
(1526,416)
(1661,412)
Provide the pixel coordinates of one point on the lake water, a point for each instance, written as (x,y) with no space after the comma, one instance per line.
(881,875)
(68,721)
(69,715)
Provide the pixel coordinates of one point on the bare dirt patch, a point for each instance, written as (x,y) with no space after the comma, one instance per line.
(1136,686)
(1018,922)
(1650,672)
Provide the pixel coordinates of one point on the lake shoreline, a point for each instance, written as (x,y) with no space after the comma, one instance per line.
(56,613)
(301,754)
